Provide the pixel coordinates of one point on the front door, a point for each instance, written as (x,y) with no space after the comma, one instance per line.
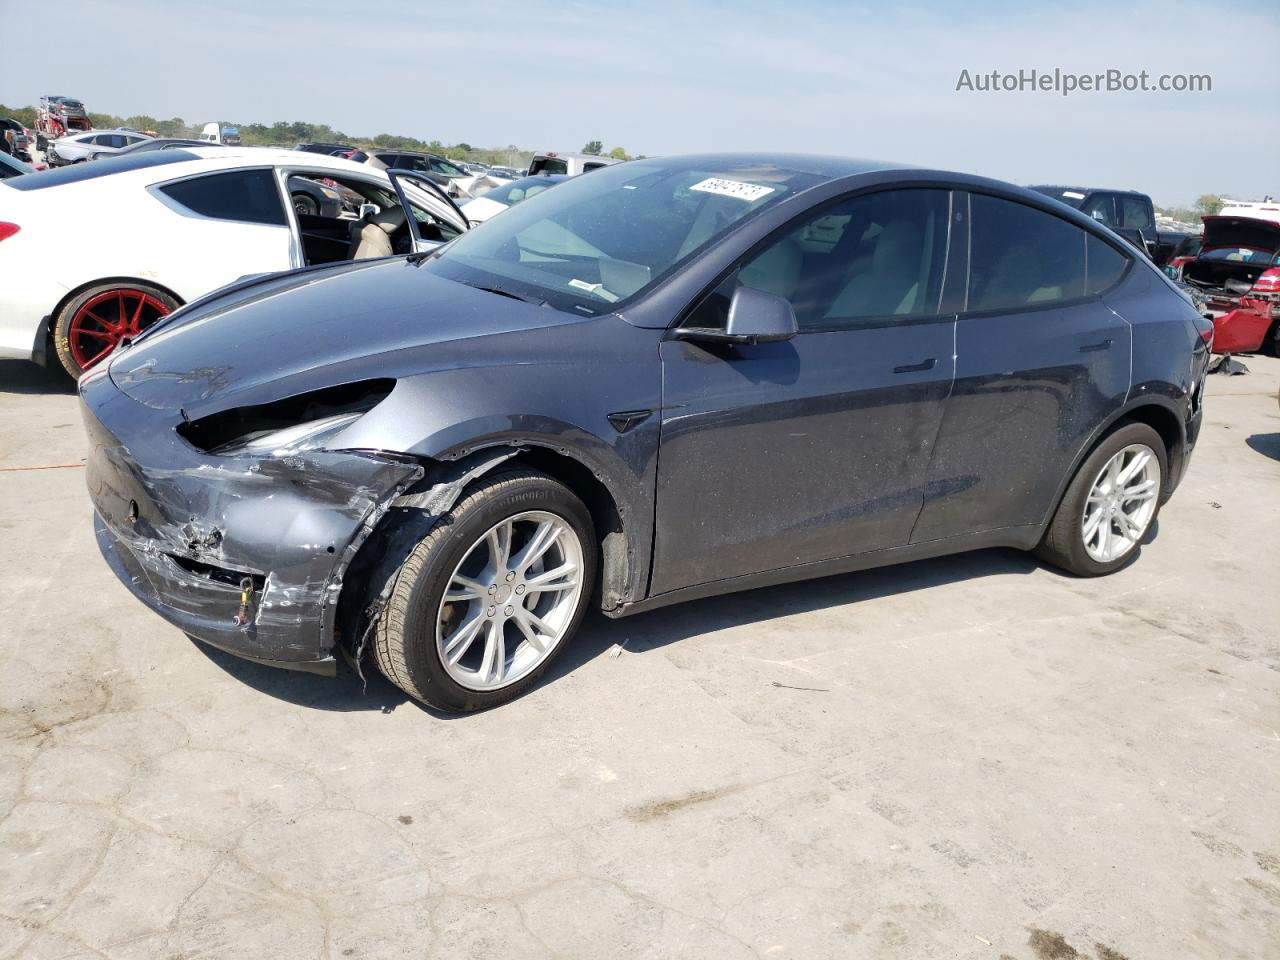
(427,205)
(778,454)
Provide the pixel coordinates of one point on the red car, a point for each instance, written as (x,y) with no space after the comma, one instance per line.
(1238,271)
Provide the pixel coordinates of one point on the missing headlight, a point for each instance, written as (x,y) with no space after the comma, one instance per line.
(284,422)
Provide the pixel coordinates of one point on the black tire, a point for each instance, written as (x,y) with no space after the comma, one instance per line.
(61,332)
(1271,343)
(1063,543)
(305,206)
(404,636)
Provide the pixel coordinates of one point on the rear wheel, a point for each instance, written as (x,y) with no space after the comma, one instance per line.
(96,322)
(1110,504)
(304,206)
(488,599)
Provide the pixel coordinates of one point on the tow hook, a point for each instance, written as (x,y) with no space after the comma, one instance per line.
(245,613)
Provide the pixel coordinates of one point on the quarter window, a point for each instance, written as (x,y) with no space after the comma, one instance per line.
(1021,257)
(249,196)
(872,256)
(1105,264)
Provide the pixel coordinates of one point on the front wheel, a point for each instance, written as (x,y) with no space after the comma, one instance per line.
(1110,504)
(489,598)
(304,206)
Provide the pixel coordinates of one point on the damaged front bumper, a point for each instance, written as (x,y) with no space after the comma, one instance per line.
(244,553)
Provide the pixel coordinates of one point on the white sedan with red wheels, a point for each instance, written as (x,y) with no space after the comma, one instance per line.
(93,254)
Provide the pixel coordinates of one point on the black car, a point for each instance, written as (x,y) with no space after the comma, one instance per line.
(21,143)
(325,148)
(1128,212)
(670,379)
(346,151)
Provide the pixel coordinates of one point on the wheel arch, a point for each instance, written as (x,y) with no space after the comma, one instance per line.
(611,530)
(81,288)
(44,348)
(1161,415)
(447,481)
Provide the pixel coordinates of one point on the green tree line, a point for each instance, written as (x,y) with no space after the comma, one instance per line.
(282,134)
(1206,205)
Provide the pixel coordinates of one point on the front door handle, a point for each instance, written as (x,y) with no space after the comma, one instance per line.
(916,367)
(1101,345)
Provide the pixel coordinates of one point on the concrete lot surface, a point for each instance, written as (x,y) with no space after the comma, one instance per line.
(972,757)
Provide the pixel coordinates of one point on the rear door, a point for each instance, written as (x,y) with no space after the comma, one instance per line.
(777,454)
(1041,362)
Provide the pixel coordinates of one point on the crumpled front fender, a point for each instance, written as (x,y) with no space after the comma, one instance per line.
(247,554)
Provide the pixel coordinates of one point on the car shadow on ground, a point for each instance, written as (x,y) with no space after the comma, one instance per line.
(1267,444)
(651,631)
(639,634)
(22,376)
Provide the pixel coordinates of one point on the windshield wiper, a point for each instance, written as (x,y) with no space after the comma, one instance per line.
(507,293)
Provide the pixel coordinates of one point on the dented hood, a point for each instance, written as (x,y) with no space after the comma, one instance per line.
(285,334)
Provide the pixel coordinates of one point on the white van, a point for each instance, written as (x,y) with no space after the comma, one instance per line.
(217,133)
(570,164)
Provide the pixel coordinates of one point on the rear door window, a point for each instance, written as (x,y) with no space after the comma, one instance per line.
(247,196)
(1021,256)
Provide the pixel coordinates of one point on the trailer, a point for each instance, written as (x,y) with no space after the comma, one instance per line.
(57,116)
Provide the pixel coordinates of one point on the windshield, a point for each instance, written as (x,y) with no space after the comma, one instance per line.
(595,241)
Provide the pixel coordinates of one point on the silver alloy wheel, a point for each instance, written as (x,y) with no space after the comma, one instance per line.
(1121,503)
(510,600)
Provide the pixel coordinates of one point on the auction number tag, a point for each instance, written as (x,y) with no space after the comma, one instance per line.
(750,192)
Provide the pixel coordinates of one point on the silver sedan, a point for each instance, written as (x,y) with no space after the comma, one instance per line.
(83,146)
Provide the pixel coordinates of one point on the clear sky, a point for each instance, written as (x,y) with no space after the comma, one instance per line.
(661,77)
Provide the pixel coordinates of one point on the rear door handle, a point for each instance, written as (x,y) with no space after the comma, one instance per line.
(1101,345)
(916,367)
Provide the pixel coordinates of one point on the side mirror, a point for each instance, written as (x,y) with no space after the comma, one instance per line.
(754,317)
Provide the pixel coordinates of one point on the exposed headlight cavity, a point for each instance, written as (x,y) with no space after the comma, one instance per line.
(292,425)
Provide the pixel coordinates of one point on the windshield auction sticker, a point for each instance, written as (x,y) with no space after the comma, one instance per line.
(750,192)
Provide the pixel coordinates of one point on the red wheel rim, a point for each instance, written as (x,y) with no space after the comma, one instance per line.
(104,321)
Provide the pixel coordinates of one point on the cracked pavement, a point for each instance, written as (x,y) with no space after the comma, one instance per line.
(969,757)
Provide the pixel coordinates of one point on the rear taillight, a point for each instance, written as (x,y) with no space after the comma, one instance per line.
(1268,282)
(7,230)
